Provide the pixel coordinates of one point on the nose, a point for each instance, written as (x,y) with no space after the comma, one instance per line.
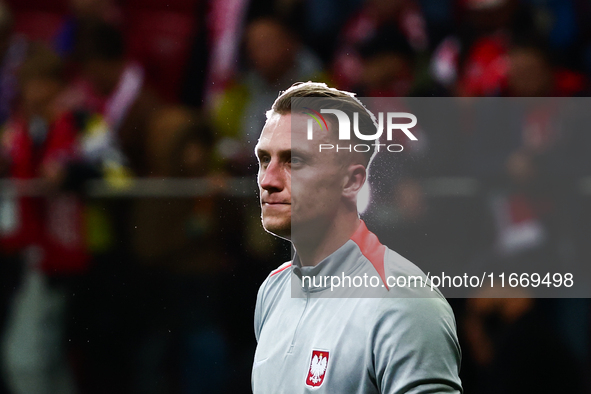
(272,177)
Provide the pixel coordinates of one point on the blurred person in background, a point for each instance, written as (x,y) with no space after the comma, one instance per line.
(515,156)
(388,66)
(531,72)
(398,20)
(471,61)
(489,35)
(114,107)
(84,14)
(182,251)
(525,214)
(529,162)
(322,22)
(317,22)
(275,57)
(186,328)
(13,49)
(119,92)
(486,32)
(48,230)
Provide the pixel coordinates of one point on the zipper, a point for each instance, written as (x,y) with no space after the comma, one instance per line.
(290,351)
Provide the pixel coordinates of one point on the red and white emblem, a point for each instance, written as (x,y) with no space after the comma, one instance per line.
(317,369)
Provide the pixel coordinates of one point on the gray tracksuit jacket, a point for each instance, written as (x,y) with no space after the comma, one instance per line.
(373,338)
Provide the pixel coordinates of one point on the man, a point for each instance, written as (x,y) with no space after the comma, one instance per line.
(41,141)
(382,339)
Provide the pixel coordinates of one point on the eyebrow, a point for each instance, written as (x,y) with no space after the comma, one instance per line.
(258,152)
(282,153)
(300,153)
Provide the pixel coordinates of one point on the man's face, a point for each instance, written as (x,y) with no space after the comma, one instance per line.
(270,49)
(300,187)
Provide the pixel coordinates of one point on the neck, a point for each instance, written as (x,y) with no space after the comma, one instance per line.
(314,246)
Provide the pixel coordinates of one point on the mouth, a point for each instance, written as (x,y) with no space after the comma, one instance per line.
(275,204)
(267,202)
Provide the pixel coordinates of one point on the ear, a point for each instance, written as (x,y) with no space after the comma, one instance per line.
(355,178)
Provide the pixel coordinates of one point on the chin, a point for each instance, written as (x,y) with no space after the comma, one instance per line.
(278,228)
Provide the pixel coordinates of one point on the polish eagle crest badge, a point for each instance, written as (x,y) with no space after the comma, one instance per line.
(317,368)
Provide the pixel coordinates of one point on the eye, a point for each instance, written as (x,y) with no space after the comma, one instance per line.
(264,160)
(296,161)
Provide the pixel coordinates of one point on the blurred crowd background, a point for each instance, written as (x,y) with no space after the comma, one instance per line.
(153,290)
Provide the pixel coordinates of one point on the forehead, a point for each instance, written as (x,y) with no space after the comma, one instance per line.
(276,133)
(289,131)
